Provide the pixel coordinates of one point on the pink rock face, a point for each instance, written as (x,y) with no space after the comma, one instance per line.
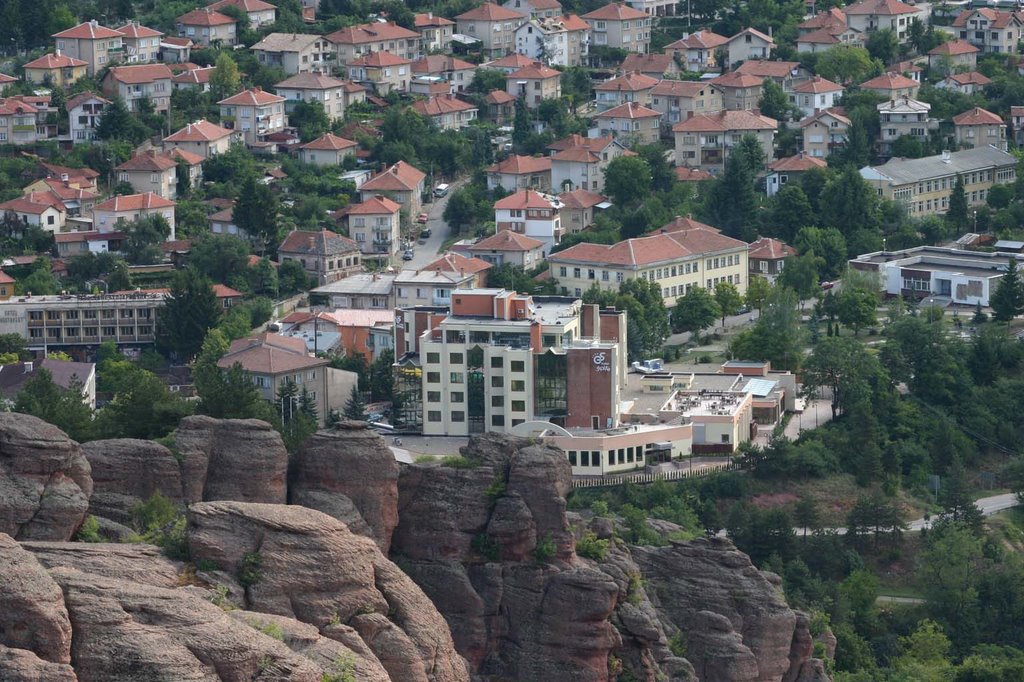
(19,665)
(352,475)
(126,472)
(32,613)
(231,459)
(309,566)
(45,480)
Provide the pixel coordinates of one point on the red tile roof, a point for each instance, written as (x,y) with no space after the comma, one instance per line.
(657,62)
(252,97)
(977,117)
(265,359)
(524,199)
(630,110)
(730,119)
(329,142)
(767,248)
(533,72)
(684,174)
(764,68)
(200,131)
(880,8)
(402,177)
(199,76)
(833,17)
(823,36)
(371,33)
(629,253)
(428,20)
(698,40)
(683,223)
(81,97)
(311,81)
(143,73)
(440,63)
(630,82)
(134,30)
(510,61)
(244,5)
(735,79)
(490,12)
(149,161)
(570,22)
(68,193)
(380,59)
(953,48)
(615,12)
(889,81)
(580,198)
(521,165)
(456,263)
(322,243)
(817,85)
(204,17)
(595,144)
(175,41)
(374,206)
(997,19)
(438,105)
(970,78)
(54,61)
(674,88)
(837,112)
(134,202)
(89,30)
(507,240)
(33,203)
(499,97)
(797,163)
(5,79)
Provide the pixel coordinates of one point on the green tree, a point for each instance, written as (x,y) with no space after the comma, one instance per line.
(225,394)
(956,214)
(355,406)
(117,123)
(807,515)
(142,407)
(1007,300)
(728,298)
(883,45)
(774,101)
(219,257)
(849,204)
(844,367)
(381,378)
(256,213)
(64,408)
(845,64)
(759,289)
(292,278)
(225,79)
(955,498)
(732,201)
(791,211)
(486,80)
(576,86)
(695,311)
(858,307)
(190,311)
(627,180)
(948,572)
(39,281)
(801,274)
(776,336)
(144,235)
(908,146)
(311,119)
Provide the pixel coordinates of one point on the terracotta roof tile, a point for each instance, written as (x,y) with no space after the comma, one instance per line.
(88,30)
(629,110)
(200,131)
(252,97)
(698,40)
(615,12)
(204,17)
(371,33)
(954,47)
(499,97)
(521,165)
(401,176)
(456,263)
(329,142)
(729,119)
(684,174)
(534,71)
(764,68)
(735,79)
(134,30)
(311,81)
(134,202)
(54,61)
(970,78)
(889,81)
(580,198)
(976,117)
(797,163)
(244,5)
(656,62)
(149,161)
(380,59)
(438,105)
(524,199)
(81,97)
(510,61)
(767,248)
(630,82)
(376,205)
(428,20)
(143,73)
(490,12)
(881,8)
(507,240)
(817,85)
(440,63)
(323,243)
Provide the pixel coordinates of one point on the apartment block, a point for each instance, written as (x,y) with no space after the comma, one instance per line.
(904,117)
(705,141)
(696,51)
(679,100)
(619,26)
(325,256)
(978,127)
(141,43)
(558,41)
(144,81)
(868,16)
(990,30)
(629,87)
(353,42)
(254,113)
(59,70)
(494,26)
(924,185)
(435,32)
(295,52)
(335,95)
(579,162)
(534,84)
(501,359)
(260,13)
(824,132)
(207,27)
(150,171)
(375,225)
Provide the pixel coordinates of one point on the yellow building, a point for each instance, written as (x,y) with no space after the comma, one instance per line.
(682,255)
(926,184)
(57,70)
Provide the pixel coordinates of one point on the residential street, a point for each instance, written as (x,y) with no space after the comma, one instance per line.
(423,254)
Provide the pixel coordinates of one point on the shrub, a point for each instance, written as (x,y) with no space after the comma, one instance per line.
(544,550)
(90,531)
(270,630)
(591,547)
(677,645)
(251,571)
(155,513)
(600,508)
(496,489)
(343,669)
(459,462)
(486,547)
(425,459)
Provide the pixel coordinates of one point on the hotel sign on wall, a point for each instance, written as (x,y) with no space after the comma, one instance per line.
(601,363)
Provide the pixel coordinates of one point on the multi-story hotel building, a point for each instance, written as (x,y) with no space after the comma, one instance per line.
(501,359)
(87,320)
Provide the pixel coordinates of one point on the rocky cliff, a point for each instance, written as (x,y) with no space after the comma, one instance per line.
(483,580)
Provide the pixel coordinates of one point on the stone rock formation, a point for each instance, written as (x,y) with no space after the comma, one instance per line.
(144,564)
(44,480)
(19,665)
(352,475)
(471,538)
(303,564)
(127,472)
(231,459)
(32,613)
(732,616)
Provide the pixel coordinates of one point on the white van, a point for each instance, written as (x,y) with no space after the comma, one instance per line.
(441,190)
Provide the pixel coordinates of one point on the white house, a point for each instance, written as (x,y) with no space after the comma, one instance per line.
(816,94)
(532,214)
(84,111)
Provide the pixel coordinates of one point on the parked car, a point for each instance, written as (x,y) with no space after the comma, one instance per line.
(425,233)
(441,190)
(408,255)
(422,218)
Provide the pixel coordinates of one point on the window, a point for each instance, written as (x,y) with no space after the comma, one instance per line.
(518,366)
(458,397)
(433,358)
(498,420)
(497,362)
(455,378)
(455,358)
(433,396)
(519,406)
(518,386)
(433,377)
(458,416)
(497,382)
(434,416)
(497,401)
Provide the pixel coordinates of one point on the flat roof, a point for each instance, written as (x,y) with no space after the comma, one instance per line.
(361,283)
(942,259)
(909,171)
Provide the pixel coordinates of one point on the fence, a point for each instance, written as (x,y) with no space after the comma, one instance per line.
(642,479)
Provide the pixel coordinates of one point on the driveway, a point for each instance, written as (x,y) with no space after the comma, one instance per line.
(424,254)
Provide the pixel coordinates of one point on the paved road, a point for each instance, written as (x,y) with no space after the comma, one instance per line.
(423,254)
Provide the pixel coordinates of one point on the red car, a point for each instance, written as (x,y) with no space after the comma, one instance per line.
(422,218)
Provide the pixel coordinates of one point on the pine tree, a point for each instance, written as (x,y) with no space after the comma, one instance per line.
(256,213)
(307,405)
(955,498)
(287,401)
(355,408)
(190,311)
(956,214)
(1008,299)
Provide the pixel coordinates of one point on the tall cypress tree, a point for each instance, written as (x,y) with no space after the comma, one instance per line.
(956,214)
(1008,299)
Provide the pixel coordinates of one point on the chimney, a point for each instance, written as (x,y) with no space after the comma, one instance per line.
(57,52)
(946,156)
(29,366)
